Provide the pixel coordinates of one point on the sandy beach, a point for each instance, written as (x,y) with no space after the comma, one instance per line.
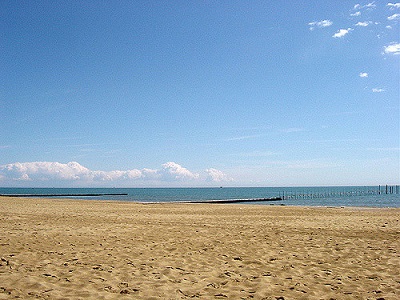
(68,249)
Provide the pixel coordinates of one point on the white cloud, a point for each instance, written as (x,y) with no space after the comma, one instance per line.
(363,24)
(217,175)
(320,24)
(369,5)
(356,14)
(171,170)
(377,90)
(43,171)
(393,5)
(74,172)
(363,75)
(341,33)
(394,17)
(392,48)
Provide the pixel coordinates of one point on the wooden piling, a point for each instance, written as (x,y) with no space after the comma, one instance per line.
(389,189)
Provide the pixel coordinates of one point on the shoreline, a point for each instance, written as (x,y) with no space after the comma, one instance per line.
(224,202)
(99,249)
(365,196)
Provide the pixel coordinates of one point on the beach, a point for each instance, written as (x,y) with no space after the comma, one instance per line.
(83,249)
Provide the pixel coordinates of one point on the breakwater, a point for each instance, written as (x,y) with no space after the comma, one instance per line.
(372,196)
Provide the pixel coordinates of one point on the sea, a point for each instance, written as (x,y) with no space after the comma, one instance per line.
(337,196)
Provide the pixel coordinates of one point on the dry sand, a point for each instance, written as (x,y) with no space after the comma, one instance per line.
(67,249)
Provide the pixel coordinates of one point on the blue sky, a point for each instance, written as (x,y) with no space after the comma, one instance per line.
(199,93)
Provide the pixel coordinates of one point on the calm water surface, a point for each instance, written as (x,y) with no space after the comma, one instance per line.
(302,196)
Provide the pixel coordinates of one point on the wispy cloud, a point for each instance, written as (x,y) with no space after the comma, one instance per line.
(392,48)
(320,24)
(358,8)
(304,164)
(393,5)
(342,32)
(370,5)
(363,75)
(394,17)
(331,141)
(292,129)
(245,137)
(255,136)
(384,149)
(378,90)
(363,24)
(356,14)
(74,172)
(258,154)
(5,146)
(70,138)
(311,164)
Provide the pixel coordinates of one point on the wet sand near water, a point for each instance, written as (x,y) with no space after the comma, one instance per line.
(69,249)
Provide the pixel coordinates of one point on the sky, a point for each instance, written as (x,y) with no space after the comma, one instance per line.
(199,93)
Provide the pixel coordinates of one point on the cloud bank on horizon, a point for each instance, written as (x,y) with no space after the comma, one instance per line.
(73,172)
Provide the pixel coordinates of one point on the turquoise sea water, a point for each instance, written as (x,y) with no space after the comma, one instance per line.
(366,196)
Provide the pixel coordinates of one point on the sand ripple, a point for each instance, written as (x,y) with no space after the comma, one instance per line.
(56,249)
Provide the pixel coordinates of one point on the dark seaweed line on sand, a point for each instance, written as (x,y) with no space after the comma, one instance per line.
(217,201)
(221,201)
